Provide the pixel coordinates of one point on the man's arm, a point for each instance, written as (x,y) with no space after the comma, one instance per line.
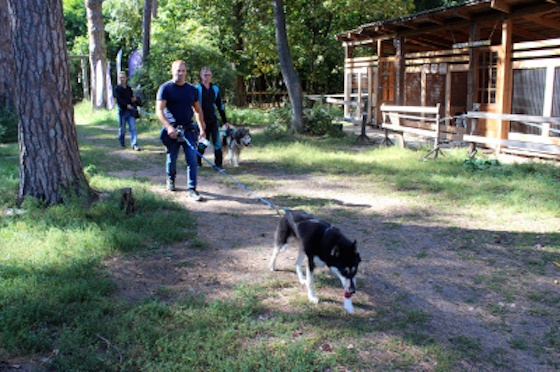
(220,106)
(199,115)
(160,112)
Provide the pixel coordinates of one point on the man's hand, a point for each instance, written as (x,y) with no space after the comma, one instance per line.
(172,132)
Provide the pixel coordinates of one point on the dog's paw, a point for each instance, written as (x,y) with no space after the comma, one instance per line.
(348,305)
(314,299)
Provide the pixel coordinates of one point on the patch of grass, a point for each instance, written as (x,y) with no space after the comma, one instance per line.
(518,343)
(467,345)
(57,294)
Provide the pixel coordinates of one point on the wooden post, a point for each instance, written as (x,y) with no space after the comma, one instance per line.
(347,78)
(400,70)
(377,83)
(474,34)
(504,83)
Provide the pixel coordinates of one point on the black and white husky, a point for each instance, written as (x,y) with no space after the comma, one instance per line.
(322,244)
(234,141)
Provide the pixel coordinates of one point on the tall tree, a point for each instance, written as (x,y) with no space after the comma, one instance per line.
(291,78)
(97,53)
(50,164)
(146,26)
(7,76)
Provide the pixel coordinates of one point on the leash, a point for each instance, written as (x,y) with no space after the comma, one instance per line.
(224,173)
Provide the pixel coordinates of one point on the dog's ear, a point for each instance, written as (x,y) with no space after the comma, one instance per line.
(335,251)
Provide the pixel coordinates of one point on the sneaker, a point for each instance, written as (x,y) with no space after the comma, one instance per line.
(170,185)
(194,195)
(136,148)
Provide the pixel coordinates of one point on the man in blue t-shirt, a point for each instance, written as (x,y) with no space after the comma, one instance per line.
(176,102)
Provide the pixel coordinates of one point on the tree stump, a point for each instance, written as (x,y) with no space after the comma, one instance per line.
(127,201)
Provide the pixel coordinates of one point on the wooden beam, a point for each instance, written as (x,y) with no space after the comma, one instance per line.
(462,13)
(501,5)
(541,19)
(435,19)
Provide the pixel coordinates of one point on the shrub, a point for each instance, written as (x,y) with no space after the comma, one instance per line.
(317,120)
(8,125)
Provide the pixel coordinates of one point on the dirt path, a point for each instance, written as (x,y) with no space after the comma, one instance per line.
(419,268)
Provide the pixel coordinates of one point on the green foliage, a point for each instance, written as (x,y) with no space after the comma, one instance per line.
(474,164)
(169,45)
(75,21)
(248,116)
(123,22)
(318,120)
(8,125)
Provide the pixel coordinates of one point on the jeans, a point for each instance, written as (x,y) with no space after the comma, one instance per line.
(173,148)
(126,117)
(213,135)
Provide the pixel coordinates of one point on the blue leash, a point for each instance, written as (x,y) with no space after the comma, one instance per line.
(222,171)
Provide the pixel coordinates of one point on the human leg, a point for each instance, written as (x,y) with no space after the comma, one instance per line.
(217,142)
(191,158)
(122,127)
(171,164)
(133,133)
(201,148)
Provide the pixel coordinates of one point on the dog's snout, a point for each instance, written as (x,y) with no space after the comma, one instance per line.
(351,286)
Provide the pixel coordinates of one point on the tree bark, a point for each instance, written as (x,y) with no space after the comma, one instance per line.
(291,78)
(146,26)
(50,164)
(97,53)
(240,88)
(7,74)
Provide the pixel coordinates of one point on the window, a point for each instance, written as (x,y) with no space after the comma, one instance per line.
(487,77)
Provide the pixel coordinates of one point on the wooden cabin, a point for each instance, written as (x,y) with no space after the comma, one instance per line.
(493,66)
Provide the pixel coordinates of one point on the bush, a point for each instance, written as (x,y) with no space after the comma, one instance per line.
(317,120)
(8,125)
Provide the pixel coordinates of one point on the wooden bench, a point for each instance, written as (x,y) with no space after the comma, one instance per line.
(423,121)
(545,144)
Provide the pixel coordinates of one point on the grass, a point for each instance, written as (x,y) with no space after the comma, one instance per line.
(57,298)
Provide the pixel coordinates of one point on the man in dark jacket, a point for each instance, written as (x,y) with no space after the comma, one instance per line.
(211,102)
(126,102)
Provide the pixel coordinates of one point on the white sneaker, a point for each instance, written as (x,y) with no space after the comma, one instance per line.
(170,185)
(194,195)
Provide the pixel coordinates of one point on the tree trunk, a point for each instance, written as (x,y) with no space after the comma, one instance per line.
(50,164)
(291,78)
(7,74)
(240,88)
(154,9)
(146,25)
(97,53)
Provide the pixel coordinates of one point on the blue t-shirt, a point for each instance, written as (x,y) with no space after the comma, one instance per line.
(180,99)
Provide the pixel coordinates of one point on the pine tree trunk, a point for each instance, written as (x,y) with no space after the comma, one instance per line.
(50,164)
(7,77)
(291,78)
(97,52)
(146,26)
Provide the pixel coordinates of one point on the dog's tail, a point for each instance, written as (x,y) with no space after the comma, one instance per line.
(290,219)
